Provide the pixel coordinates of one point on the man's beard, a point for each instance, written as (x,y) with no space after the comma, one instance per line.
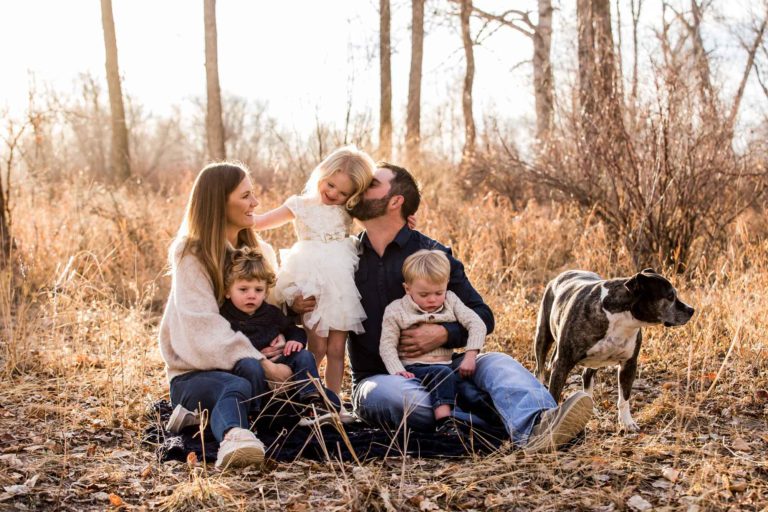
(368,209)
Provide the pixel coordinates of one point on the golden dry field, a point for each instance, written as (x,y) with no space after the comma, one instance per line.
(80,366)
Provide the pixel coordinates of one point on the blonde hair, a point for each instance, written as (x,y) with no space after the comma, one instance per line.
(432,265)
(203,231)
(247,264)
(356,164)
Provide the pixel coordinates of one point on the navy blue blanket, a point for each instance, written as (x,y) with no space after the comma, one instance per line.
(286,441)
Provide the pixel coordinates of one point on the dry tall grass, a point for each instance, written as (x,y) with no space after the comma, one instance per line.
(80,365)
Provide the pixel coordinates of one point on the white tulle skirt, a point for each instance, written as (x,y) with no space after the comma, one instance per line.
(327,271)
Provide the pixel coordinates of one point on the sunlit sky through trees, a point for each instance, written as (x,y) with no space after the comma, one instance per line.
(305,58)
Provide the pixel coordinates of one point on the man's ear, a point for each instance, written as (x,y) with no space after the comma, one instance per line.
(396,202)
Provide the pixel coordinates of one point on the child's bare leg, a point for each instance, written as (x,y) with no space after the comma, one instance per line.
(316,344)
(442,411)
(334,367)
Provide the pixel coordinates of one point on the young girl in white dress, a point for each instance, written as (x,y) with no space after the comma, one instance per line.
(323,261)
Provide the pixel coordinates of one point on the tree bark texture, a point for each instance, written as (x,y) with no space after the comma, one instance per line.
(385,64)
(413,114)
(214,125)
(469,76)
(120,158)
(543,81)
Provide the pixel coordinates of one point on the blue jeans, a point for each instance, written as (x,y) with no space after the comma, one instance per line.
(226,395)
(518,397)
(439,380)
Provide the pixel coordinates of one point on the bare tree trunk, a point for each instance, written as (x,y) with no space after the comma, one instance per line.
(469,76)
(214,126)
(701,61)
(619,55)
(543,81)
(385,63)
(747,70)
(636,7)
(121,168)
(5,232)
(586,57)
(413,116)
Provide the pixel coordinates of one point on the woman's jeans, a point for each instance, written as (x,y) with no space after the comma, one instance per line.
(230,396)
(518,397)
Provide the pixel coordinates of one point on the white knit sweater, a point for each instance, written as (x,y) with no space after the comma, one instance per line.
(404,313)
(193,335)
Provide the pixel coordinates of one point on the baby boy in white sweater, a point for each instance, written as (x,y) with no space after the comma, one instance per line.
(427,300)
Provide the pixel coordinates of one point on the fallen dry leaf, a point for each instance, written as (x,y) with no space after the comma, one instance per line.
(670,385)
(738,486)
(741,445)
(146,472)
(670,474)
(191,460)
(115,500)
(637,502)
(761,395)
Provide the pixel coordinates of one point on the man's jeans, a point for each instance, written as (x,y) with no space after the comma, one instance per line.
(516,394)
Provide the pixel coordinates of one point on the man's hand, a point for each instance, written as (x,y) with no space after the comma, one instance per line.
(420,339)
(276,372)
(275,348)
(467,366)
(407,375)
(303,304)
(291,347)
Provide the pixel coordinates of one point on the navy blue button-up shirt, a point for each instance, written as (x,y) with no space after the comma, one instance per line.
(380,281)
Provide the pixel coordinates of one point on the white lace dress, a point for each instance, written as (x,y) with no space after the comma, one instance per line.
(322,263)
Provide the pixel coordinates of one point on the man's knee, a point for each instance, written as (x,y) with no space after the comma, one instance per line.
(388,400)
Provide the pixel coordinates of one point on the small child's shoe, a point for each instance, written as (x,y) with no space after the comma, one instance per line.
(180,419)
(345,416)
(447,427)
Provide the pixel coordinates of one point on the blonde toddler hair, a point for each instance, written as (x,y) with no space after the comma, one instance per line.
(431,265)
(247,264)
(356,164)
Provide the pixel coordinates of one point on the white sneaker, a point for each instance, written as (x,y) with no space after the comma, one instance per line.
(240,448)
(180,419)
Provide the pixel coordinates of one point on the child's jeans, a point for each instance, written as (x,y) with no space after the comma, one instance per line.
(439,380)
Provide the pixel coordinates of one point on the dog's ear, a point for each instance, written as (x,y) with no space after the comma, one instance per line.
(632,285)
(635,283)
(648,271)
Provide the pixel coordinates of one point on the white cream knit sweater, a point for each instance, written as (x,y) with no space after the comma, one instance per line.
(193,335)
(404,313)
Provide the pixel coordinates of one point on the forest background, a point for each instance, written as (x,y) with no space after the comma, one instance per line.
(631,134)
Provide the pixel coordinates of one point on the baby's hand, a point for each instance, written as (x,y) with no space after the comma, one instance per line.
(467,366)
(292,346)
(407,375)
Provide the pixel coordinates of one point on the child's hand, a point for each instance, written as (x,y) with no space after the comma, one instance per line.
(411,220)
(291,347)
(407,375)
(467,366)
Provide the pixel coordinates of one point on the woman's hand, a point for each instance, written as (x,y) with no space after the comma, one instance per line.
(275,348)
(291,347)
(303,304)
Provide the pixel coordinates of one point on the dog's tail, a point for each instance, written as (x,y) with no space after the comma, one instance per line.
(544,338)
